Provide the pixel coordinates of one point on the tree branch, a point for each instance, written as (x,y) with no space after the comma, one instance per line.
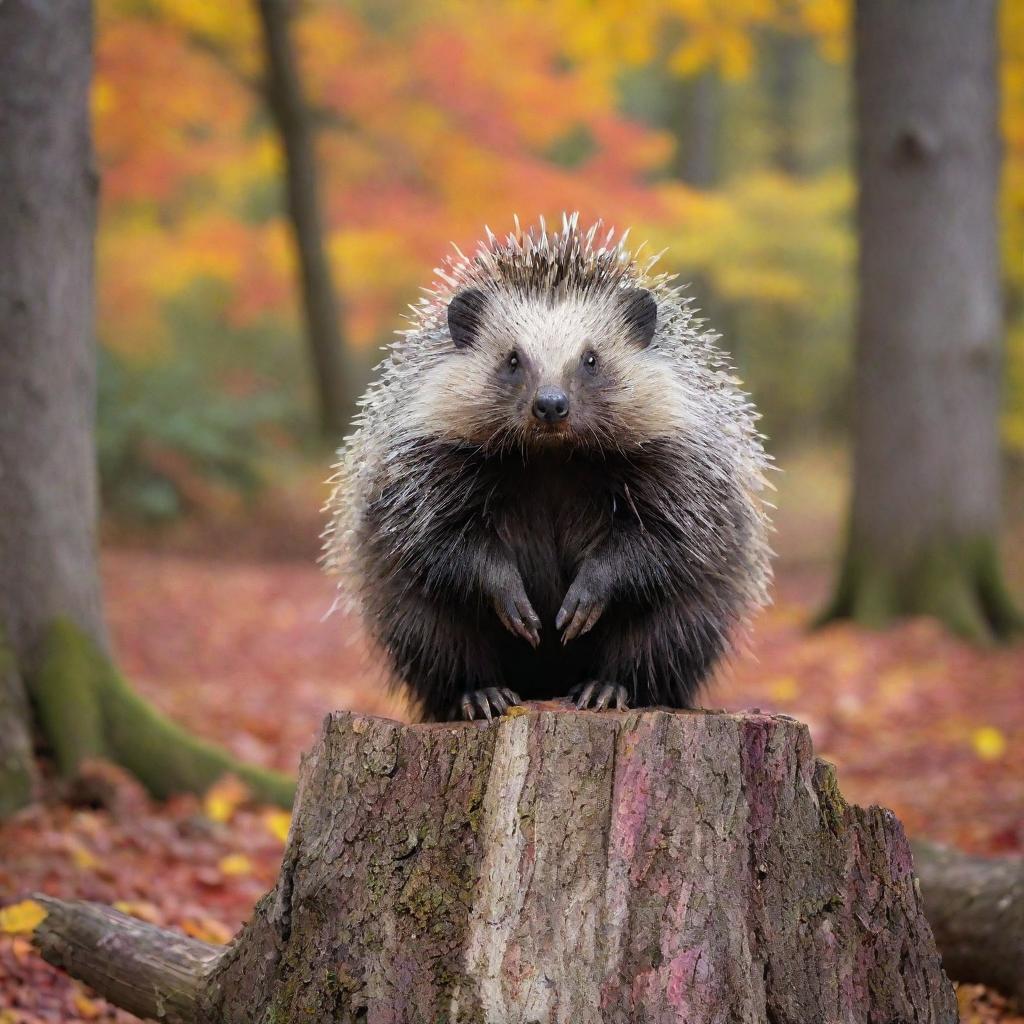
(975,906)
(149,971)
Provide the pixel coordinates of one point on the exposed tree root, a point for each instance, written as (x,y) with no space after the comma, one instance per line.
(960,584)
(84,710)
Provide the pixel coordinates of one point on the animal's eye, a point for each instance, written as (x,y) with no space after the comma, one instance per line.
(513,362)
(590,361)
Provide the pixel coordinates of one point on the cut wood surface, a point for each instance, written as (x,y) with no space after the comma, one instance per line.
(554,866)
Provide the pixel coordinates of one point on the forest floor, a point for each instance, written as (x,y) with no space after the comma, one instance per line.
(239,651)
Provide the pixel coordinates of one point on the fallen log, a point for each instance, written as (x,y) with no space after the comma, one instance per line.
(975,906)
(552,866)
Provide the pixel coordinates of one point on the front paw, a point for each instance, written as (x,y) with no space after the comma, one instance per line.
(582,607)
(516,613)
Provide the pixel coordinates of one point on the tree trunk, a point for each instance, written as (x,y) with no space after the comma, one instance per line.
(554,866)
(47,362)
(926,487)
(693,117)
(784,53)
(975,906)
(336,375)
(53,642)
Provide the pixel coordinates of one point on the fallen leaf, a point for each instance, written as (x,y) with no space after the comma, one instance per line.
(140,909)
(224,798)
(207,930)
(85,859)
(22,918)
(989,743)
(278,823)
(235,864)
(86,1007)
(783,688)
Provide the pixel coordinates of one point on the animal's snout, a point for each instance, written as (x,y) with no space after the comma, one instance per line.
(550,404)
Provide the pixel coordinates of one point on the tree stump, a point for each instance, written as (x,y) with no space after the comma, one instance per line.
(553,866)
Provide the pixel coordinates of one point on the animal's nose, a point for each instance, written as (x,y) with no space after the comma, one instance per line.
(550,404)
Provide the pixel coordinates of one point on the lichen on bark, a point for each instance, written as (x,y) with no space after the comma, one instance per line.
(17,769)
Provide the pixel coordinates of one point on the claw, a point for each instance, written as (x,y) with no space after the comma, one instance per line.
(595,614)
(563,616)
(522,620)
(583,698)
(579,614)
(610,695)
(483,704)
(488,702)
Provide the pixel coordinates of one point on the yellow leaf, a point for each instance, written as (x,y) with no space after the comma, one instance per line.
(86,1007)
(235,864)
(989,743)
(85,860)
(784,688)
(278,823)
(21,918)
(140,909)
(224,798)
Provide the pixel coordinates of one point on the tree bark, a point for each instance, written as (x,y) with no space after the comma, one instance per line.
(56,675)
(975,906)
(336,374)
(47,361)
(552,866)
(926,476)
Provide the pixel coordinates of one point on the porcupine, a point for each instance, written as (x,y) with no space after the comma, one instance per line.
(554,485)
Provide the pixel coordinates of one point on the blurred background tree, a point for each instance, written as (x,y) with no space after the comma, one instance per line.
(336,377)
(927,478)
(58,683)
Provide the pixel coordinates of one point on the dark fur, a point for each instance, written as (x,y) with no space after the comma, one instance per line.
(662,543)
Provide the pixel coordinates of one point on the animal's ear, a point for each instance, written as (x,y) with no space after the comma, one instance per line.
(465,315)
(640,315)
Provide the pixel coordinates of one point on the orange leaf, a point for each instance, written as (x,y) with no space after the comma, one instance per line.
(207,930)
(224,798)
(140,909)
